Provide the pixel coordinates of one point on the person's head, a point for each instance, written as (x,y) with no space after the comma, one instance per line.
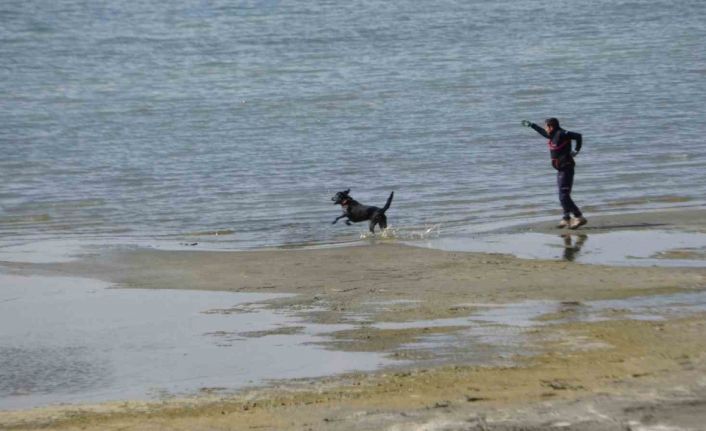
(551,124)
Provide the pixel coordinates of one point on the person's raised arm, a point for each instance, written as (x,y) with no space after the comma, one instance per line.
(536,128)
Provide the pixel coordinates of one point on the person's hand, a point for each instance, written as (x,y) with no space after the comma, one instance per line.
(526,123)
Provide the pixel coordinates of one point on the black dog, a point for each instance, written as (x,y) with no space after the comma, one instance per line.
(355,211)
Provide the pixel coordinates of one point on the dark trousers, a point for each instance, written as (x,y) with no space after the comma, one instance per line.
(565,180)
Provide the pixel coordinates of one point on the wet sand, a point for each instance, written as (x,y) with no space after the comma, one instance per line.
(617,373)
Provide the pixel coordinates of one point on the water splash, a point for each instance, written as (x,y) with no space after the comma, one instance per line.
(430,232)
(383,234)
(404,233)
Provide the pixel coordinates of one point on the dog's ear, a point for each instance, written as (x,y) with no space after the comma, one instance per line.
(346,192)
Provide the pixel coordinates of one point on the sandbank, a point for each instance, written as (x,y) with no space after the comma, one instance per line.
(613,373)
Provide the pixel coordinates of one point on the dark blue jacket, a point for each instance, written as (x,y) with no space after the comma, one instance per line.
(560,146)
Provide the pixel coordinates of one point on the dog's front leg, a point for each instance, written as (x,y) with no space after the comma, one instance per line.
(338,218)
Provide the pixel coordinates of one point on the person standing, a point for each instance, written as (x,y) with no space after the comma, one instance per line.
(563,161)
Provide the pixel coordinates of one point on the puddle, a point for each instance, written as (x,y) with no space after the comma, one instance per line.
(495,334)
(46,251)
(73,340)
(651,307)
(527,314)
(634,248)
(67,250)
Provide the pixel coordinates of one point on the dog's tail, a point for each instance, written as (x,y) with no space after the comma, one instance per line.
(389,201)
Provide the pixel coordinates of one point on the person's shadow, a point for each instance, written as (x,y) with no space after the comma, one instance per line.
(571,248)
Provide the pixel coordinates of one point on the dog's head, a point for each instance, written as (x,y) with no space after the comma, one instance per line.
(340,198)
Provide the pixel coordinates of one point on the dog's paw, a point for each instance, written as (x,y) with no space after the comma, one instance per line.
(348,222)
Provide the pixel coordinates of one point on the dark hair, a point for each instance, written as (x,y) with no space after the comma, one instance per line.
(552,122)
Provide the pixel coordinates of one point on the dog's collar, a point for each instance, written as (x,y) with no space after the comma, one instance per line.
(344,202)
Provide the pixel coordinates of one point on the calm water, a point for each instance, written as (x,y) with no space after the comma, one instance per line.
(75,340)
(622,248)
(72,340)
(146,119)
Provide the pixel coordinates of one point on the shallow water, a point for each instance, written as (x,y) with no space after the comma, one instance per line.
(634,248)
(70,340)
(73,340)
(235,122)
(494,334)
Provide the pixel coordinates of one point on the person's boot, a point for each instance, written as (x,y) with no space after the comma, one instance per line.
(577,222)
(563,223)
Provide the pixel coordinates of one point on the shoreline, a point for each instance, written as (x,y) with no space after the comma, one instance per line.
(611,241)
(574,365)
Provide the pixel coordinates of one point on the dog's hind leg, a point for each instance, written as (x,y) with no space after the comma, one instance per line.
(371,225)
(382,221)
